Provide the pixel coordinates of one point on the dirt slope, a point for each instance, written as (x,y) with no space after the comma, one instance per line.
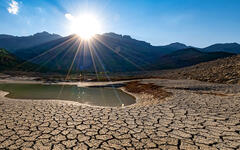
(226,70)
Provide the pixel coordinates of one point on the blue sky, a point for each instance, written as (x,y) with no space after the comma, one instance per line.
(193,22)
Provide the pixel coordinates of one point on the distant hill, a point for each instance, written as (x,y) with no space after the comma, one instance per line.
(224,47)
(108,52)
(9,62)
(225,70)
(177,46)
(187,57)
(4,36)
(12,43)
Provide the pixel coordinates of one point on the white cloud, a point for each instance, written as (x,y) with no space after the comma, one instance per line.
(13,7)
(39,9)
(69,16)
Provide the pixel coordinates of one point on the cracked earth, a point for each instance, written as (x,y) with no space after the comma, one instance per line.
(192,118)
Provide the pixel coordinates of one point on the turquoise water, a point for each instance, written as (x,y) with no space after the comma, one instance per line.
(99,96)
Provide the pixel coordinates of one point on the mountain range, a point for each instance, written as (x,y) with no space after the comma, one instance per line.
(12,43)
(188,57)
(224,47)
(108,52)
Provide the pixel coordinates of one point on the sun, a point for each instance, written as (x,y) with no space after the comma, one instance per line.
(85,26)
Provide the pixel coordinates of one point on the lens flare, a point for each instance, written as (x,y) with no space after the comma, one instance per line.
(85,26)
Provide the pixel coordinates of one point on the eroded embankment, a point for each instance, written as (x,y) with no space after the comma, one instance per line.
(149,88)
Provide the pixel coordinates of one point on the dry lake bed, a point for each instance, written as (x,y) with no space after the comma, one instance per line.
(197,115)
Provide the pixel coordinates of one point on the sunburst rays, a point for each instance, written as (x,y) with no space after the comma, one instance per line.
(86,49)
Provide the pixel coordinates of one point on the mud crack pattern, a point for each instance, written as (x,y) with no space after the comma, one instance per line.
(186,120)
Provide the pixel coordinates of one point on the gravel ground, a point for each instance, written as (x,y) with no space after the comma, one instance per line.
(186,120)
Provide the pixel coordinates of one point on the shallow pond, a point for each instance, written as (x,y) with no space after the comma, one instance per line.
(99,96)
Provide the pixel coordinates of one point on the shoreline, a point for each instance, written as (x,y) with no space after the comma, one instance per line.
(59,101)
(78,83)
(141,98)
